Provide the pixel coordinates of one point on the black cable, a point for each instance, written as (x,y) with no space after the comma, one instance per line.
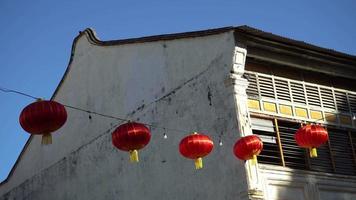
(17,92)
(92,112)
(95,113)
(122,119)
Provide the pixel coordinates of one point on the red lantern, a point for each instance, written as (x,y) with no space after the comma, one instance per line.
(196,146)
(43,118)
(131,137)
(311,137)
(248,147)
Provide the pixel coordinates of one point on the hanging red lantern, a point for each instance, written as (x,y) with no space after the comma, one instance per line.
(248,147)
(131,137)
(42,118)
(196,146)
(311,137)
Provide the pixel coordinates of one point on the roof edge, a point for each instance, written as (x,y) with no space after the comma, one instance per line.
(92,36)
(292,42)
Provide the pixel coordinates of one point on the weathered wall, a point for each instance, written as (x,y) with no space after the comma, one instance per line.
(177,84)
(285,183)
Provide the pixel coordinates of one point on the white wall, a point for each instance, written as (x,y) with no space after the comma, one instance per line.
(286,183)
(165,83)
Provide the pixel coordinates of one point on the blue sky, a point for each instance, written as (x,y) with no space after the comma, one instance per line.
(36,38)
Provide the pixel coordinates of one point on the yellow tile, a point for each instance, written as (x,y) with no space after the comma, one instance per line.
(301,112)
(284,109)
(253,104)
(345,119)
(330,117)
(270,107)
(314,114)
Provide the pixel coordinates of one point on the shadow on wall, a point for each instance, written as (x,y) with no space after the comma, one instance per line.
(290,184)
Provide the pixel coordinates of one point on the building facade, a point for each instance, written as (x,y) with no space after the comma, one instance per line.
(226,83)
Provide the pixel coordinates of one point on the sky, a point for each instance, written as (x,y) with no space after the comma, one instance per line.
(36,38)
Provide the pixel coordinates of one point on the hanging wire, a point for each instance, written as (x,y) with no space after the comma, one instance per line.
(7,90)
(95,113)
(3,89)
(17,92)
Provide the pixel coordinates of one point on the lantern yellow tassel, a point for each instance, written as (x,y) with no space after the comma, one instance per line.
(313,153)
(198,163)
(254,160)
(46,139)
(134,156)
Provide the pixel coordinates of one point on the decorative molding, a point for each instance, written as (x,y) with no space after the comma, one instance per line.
(239,61)
(239,85)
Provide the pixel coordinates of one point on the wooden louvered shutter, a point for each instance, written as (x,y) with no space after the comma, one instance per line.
(294,156)
(252,89)
(282,90)
(322,163)
(352,100)
(327,98)
(313,97)
(298,94)
(341,101)
(266,87)
(342,151)
(352,135)
(266,131)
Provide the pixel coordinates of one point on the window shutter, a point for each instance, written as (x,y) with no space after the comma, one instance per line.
(323,162)
(341,101)
(327,98)
(313,95)
(352,100)
(338,157)
(282,89)
(252,89)
(342,151)
(352,136)
(266,86)
(265,129)
(298,92)
(294,156)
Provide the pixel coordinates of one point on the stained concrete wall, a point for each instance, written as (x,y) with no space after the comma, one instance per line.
(291,184)
(178,84)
